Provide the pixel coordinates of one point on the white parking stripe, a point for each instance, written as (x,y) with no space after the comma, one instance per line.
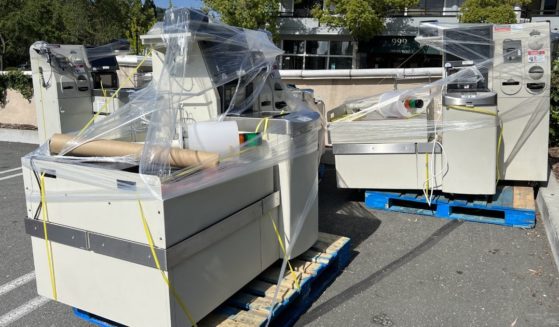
(10,170)
(22,310)
(9,286)
(11,176)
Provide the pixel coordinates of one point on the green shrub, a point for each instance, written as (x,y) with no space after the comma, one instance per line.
(554,109)
(18,81)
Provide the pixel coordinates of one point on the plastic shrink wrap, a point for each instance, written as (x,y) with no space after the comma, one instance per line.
(135,211)
(486,120)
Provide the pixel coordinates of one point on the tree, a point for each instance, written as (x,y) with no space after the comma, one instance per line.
(362,18)
(252,14)
(490,11)
(109,21)
(554,110)
(88,22)
(140,19)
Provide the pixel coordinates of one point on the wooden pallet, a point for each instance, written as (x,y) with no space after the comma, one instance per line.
(510,206)
(316,269)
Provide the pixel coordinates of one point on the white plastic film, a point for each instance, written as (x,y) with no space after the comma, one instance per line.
(211,72)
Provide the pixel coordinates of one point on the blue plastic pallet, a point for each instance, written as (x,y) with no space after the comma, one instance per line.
(316,269)
(511,206)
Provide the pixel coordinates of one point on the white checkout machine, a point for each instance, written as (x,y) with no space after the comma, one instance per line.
(72,84)
(486,120)
(212,228)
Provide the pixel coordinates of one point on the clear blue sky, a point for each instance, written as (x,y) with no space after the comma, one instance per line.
(180,3)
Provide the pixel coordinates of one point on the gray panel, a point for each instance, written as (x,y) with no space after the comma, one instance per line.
(428,148)
(470,99)
(357,148)
(140,253)
(219,231)
(110,246)
(270,202)
(56,233)
(126,250)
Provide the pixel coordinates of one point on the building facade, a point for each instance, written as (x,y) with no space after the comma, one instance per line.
(308,45)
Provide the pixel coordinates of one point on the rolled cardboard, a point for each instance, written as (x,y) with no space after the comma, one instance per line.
(109,148)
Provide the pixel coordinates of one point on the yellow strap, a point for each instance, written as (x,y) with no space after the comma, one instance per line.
(265,121)
(47,243)
(163,275)
(112,97)
(103,89)
(128,77)
(474,109)
(427,171)
(499,152)
(284,253)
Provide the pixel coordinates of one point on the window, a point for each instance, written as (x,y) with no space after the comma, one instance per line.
(292,62)
(315,62)
(385,51)
(317,54)
(294,46)
(549,4)
(341,48)
(317,47)
(303,8)
(340,63)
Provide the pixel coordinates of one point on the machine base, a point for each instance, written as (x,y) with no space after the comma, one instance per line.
(512,206)
(316,269)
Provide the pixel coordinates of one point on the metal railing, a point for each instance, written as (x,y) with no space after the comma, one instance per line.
(420,12)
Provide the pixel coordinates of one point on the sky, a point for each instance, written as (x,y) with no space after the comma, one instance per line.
(179,3)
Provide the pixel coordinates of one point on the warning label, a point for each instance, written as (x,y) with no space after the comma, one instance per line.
(536,56)
(501,28)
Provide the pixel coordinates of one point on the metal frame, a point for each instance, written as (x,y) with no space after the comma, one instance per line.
(384,148)
(141,253)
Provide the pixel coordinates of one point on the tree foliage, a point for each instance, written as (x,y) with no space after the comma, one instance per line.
(252,14)
(89,22)
(362,18)
(140,20)
(490,11)
(554,110)
(15,80)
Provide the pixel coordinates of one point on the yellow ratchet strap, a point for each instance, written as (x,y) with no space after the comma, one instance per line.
(284,253)
(474,109)
(163,275)
(112,97)
(47,243)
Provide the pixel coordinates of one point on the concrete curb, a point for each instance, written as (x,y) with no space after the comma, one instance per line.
(19,135)
(548,205)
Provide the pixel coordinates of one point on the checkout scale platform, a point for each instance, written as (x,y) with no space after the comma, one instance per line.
(511,206)
(315,270)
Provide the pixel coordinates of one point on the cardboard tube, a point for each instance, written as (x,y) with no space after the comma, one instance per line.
(108,148)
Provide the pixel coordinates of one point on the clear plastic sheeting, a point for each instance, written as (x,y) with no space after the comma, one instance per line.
(211,73)
(76,60)
(486,120)
(512,61)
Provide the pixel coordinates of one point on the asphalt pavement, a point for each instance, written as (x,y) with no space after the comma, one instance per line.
(406,270)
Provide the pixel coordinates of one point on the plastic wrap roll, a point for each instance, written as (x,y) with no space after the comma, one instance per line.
(398,104)
(214,136)
(109,148)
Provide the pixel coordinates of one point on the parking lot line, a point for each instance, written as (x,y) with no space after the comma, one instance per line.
(11,176)
(23,310)
(9,170)
(9,286)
